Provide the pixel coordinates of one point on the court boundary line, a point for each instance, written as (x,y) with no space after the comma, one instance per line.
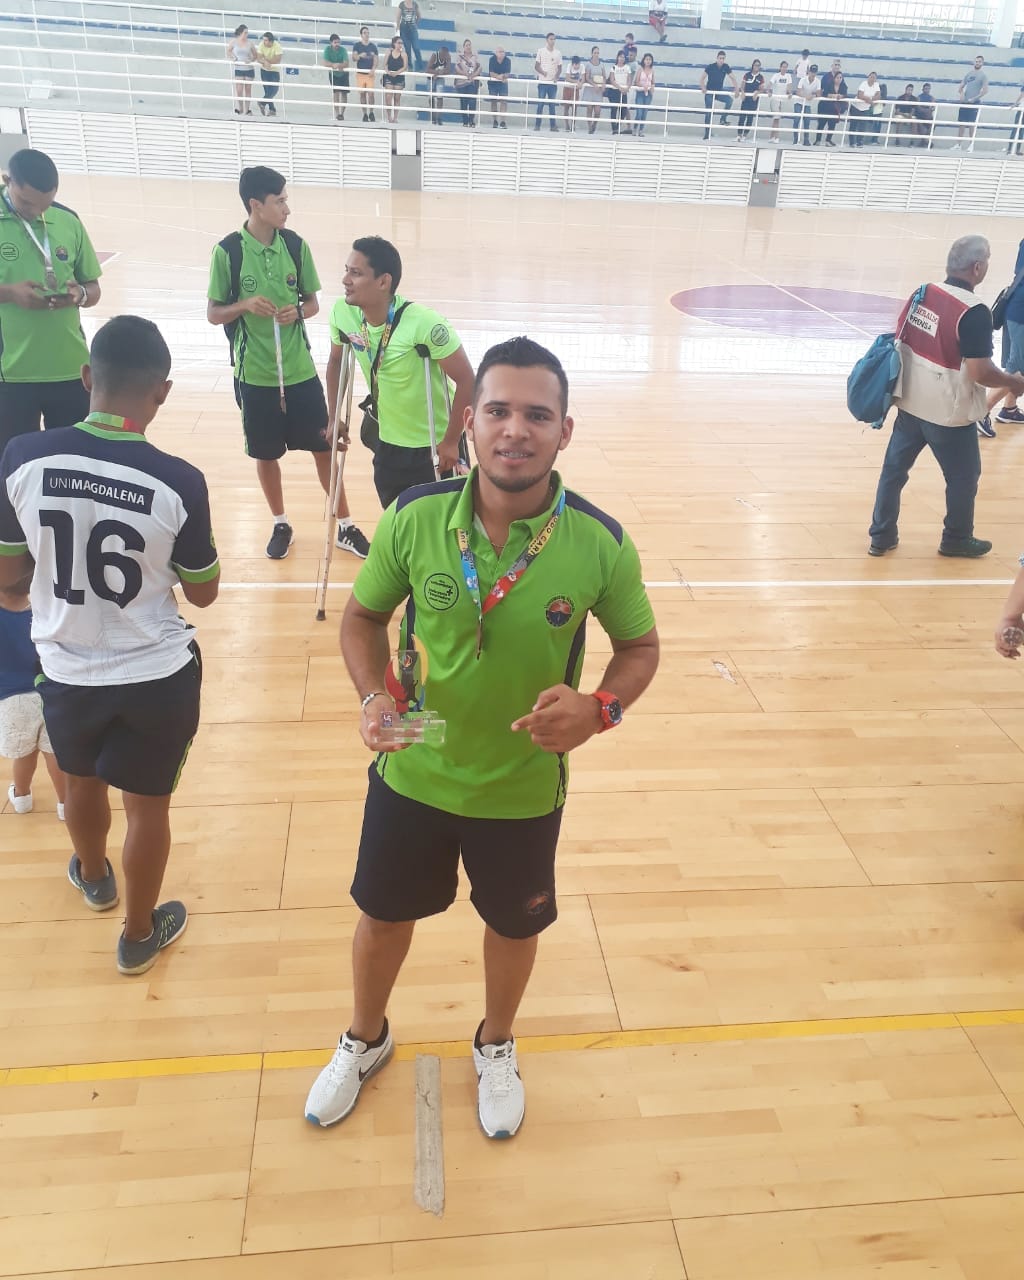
(644,1038)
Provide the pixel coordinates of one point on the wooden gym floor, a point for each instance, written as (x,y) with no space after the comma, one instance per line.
(778,1030)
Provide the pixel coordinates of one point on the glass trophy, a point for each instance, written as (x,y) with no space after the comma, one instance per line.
(1012,637)
(405,681)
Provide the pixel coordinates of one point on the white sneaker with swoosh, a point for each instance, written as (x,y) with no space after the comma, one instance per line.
(501,1098)
(335,1091)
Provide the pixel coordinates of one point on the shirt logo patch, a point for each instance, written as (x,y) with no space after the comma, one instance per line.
(60,253)
(248,284)
(9,252)
(558,611)
(440,335)
(440,591)
(290,280)
(60,483)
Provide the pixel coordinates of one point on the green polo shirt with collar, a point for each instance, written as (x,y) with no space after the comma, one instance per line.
(43,346)
(532,639)
(401,383)
(268,271)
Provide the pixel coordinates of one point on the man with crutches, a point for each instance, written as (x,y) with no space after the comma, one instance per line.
(263,288)
(410,358)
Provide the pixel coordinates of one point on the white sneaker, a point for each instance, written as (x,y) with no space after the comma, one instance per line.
(501,1098)
(335,1091)
(21,804)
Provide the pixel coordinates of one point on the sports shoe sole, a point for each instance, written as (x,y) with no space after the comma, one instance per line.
(151,961)
(93,906)
(500,1135)
(379,1065)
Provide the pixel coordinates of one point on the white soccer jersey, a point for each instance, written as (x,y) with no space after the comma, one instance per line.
(113,524)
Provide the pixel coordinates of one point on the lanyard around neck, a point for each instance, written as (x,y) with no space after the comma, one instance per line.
(44,247)
(508,580)
(382,346)
(112,422)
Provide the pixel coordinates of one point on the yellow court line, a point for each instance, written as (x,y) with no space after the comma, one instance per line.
(646,1038)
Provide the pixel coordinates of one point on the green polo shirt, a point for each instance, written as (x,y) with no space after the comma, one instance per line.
(338,56)
(43,346)
(267,271)
(401,387)
(533,639)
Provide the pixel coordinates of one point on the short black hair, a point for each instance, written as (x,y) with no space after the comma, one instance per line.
(128,354)
(523,353)
(333,36)
(383,257)
(269,35)
(33,169)
(720,53)
(258,182)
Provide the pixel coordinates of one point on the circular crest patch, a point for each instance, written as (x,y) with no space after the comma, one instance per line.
(440,335)
(440,591)
(9,252)
(290,280)
(558,610)
(60,253)
(248,284)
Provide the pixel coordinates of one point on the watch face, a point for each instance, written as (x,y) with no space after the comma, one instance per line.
(613,711)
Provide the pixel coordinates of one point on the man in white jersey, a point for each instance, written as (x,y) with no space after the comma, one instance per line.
(112,525)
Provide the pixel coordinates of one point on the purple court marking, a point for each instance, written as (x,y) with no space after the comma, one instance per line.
(790,312)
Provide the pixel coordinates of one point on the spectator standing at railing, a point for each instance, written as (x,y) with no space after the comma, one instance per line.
(712,86)
(657,16)
(643,87)
(781,99)
(869,92)
(499,68)
(467,83)
(395,66)
(365,55)
(548,66)
(620,77)
(903,116)
(438,69)
(48,272)
(269,54)
(925,113)
(408,28)
(242,57)
(973,88)
(1017,132)
(572,87)
(595,81)
(335,59)
(751,88)
(808,90)
(832,105)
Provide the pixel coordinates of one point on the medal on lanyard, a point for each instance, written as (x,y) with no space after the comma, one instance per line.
(508,579)
(44,247)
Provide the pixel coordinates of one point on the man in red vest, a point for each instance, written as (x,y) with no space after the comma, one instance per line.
(946,347)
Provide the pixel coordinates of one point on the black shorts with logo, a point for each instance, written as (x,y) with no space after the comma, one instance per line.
(23,404)
(269,432)
(408,865)
(134,736)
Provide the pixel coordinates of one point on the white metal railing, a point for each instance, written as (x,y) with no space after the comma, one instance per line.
(920,19)
(149,84)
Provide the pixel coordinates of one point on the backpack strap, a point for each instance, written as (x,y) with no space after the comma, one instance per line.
(232,246)
(293,243)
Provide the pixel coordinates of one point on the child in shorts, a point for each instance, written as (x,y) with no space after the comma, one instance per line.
(22,730)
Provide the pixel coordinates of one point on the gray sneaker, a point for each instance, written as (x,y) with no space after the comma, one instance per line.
(99,895)
(169,921)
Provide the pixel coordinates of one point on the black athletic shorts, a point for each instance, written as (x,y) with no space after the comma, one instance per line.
(967,115)
(269,433)
(22,404)
(396,469)
(408,865)
(134,736)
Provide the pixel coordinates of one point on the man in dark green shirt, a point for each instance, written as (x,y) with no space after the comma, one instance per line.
(48,272)
(498,572)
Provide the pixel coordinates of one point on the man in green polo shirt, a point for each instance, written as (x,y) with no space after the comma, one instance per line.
(498,572)
(263,288)
(48,272)
(385,331)
(335,58)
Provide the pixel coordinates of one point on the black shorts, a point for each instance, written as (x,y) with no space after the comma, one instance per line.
(967,115)
(245,73)
(339,79)
(396,469)
(393,82)
(269,433)
(408,865)
(22,404)
(134,736)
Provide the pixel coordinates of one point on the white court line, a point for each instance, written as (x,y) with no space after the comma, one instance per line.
(677,584)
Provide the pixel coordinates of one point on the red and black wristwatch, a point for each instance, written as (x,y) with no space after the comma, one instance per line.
(611,709)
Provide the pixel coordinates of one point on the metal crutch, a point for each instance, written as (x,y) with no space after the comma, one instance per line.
(346,381)
(424,351)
